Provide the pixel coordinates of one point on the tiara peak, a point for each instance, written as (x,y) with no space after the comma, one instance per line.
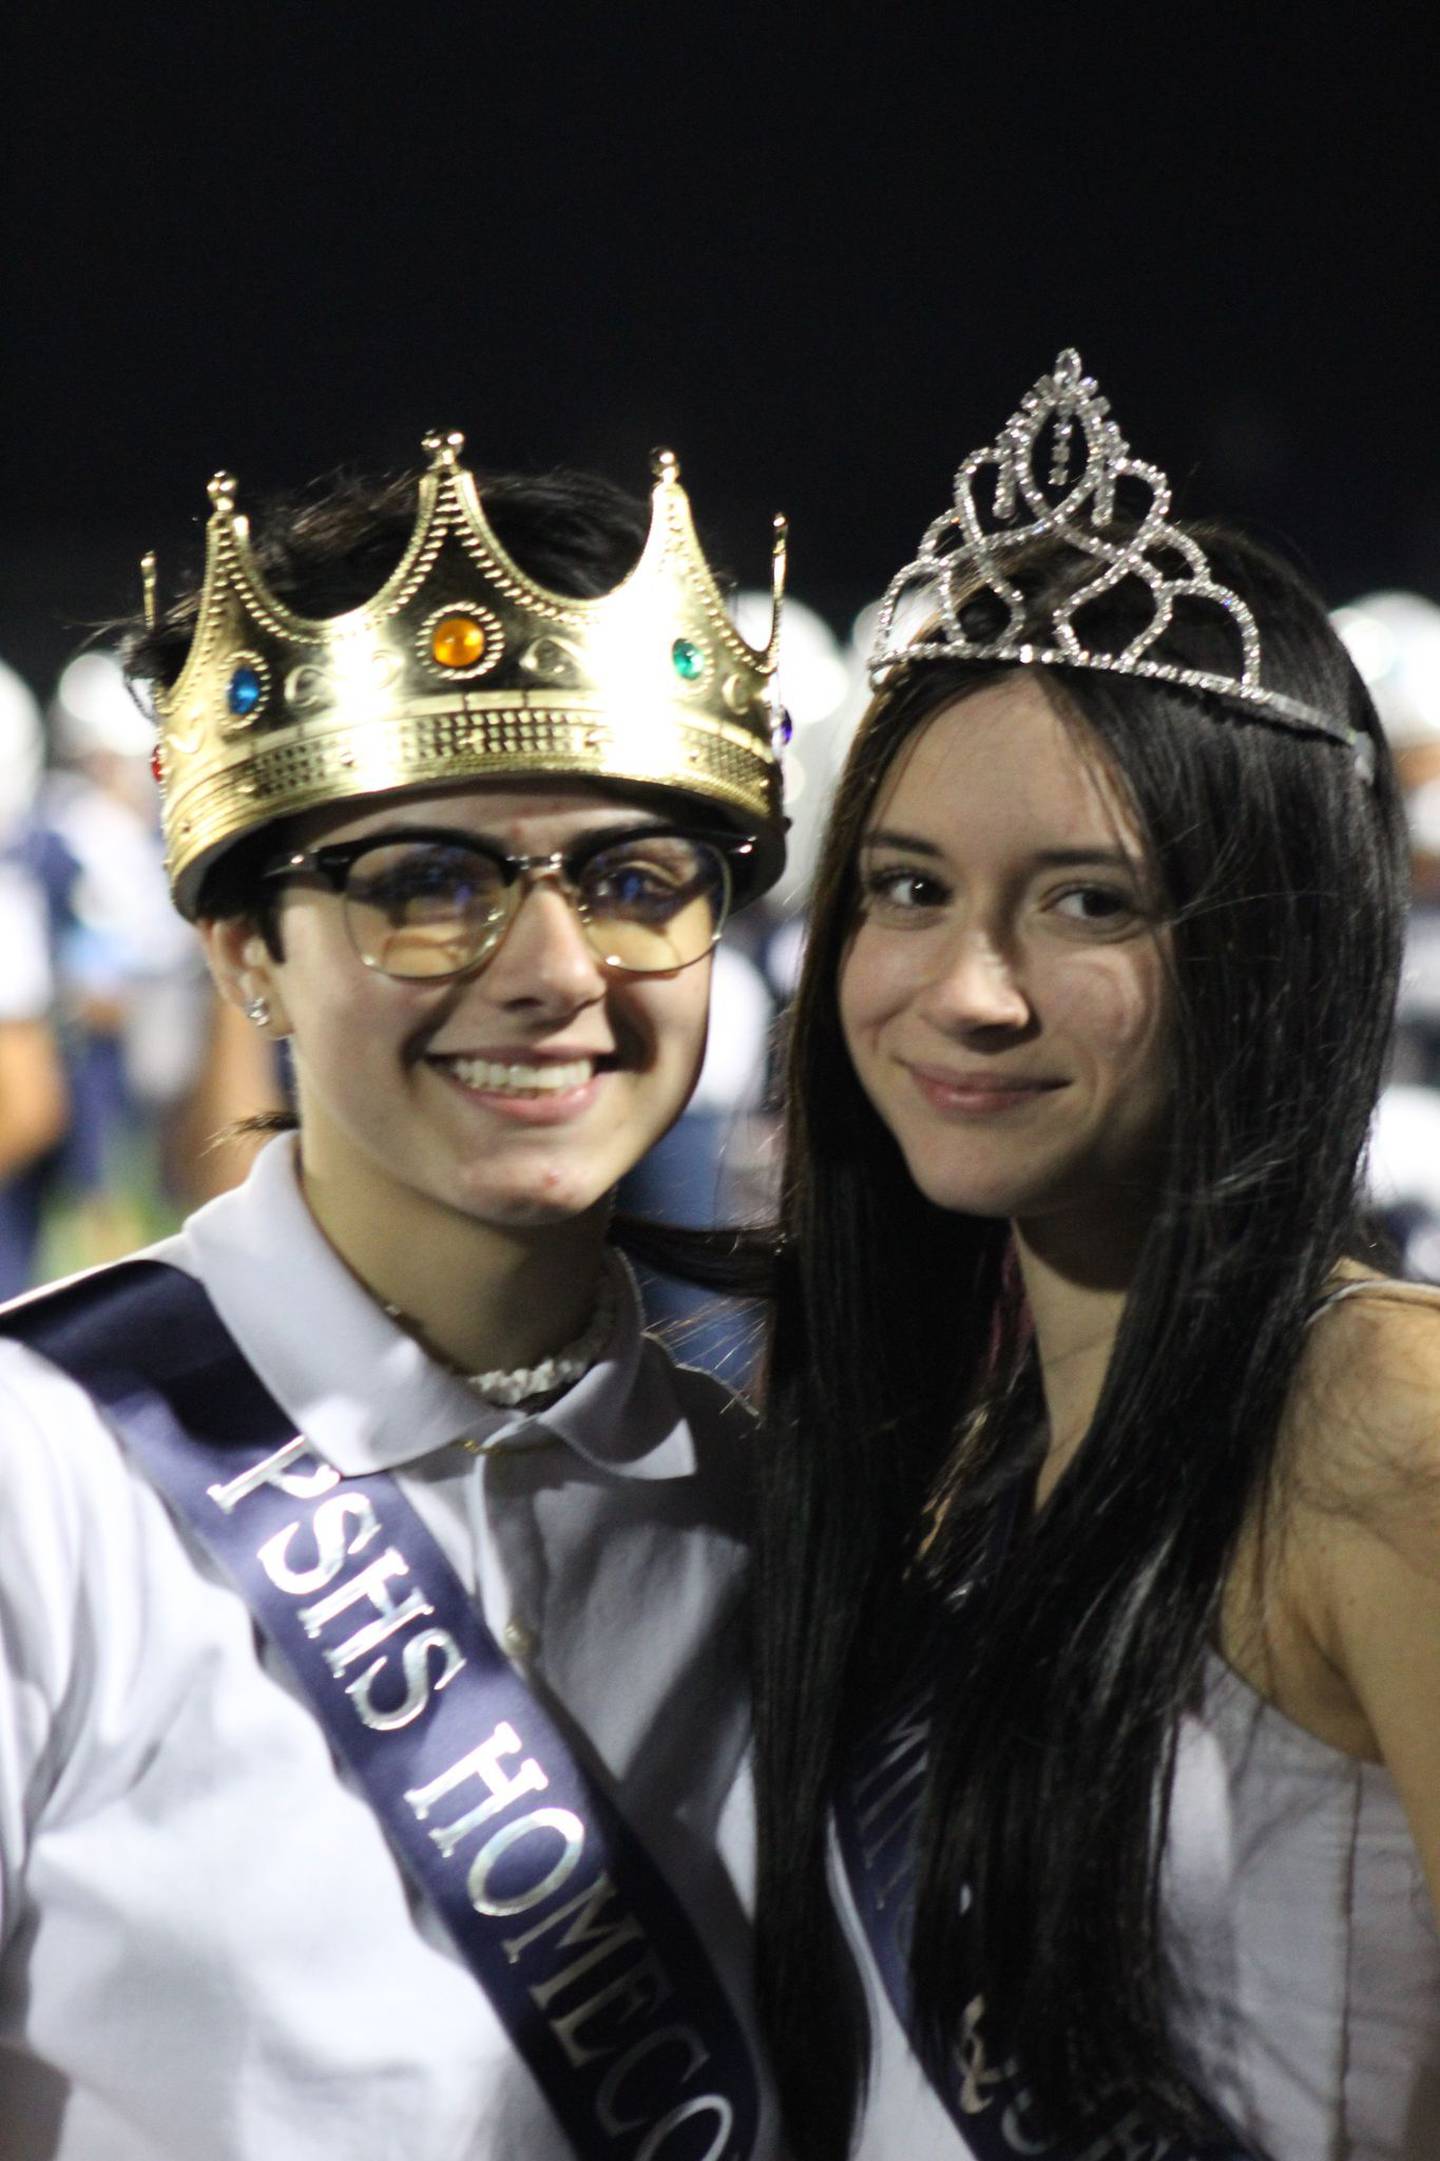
(965,551)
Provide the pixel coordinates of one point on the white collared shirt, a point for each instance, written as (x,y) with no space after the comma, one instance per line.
(209,1952)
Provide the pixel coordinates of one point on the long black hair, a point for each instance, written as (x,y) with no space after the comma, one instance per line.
(904,1395)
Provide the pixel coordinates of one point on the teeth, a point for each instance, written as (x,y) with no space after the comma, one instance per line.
(521,1079)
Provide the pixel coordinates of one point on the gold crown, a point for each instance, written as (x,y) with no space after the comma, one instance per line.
(462,668)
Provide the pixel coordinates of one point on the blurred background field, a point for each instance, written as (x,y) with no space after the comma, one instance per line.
(819,256)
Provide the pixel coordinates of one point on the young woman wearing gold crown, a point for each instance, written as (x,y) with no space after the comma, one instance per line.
(372,1689)
(1099,1555)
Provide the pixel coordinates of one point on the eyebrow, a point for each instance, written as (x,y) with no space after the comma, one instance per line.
(1046,858)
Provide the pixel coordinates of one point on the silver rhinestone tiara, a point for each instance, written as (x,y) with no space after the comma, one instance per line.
(964,552)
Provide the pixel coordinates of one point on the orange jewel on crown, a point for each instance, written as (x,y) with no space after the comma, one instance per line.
(457,641)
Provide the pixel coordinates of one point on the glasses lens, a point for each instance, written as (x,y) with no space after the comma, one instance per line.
(424,908)
(655,902)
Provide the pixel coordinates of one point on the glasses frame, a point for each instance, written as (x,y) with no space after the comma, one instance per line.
(332,862)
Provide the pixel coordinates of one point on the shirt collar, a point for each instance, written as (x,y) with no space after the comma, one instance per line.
(362,1390)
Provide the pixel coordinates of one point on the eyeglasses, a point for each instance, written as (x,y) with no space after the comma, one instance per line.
(426,904)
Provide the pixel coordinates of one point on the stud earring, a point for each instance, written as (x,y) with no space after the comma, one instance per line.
(258,1012)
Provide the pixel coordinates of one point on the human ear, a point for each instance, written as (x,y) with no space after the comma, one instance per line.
(244,971)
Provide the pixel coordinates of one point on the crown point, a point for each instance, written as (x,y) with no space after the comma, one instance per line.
(665,466)
(444,446)
(779,553)
(221,491)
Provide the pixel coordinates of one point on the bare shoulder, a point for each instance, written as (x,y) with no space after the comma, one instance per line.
(1365,1414)
(1365,1558)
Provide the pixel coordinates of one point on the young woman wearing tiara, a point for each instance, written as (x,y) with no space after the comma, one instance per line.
(1099,1573)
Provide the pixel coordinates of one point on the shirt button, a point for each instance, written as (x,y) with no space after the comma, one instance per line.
(518,1640)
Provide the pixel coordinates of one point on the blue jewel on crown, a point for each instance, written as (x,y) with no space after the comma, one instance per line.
(244,690)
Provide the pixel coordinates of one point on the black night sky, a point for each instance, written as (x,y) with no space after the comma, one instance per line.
(819,252)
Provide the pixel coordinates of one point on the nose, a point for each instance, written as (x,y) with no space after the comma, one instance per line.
(544,959)
(975,988)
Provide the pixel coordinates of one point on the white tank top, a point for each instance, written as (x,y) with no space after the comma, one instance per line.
(1304,1954)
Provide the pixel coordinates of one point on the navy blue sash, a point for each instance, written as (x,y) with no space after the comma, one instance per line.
(876,1817)
(584,1951)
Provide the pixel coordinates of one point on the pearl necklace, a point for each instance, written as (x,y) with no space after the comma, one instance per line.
(559,1371)
(505,1388)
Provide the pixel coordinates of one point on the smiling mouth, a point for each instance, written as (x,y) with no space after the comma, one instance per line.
(514,1077)
(980,1091)
(986,1084)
